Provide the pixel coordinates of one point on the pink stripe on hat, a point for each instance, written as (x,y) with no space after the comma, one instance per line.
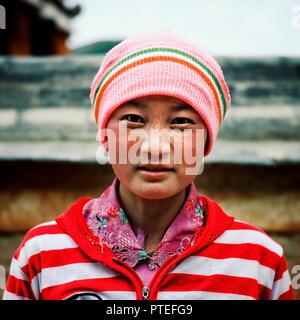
(161,64)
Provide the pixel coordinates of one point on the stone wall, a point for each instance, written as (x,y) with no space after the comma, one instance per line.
(48,145)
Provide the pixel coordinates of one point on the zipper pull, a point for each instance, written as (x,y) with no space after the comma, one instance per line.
(145,292)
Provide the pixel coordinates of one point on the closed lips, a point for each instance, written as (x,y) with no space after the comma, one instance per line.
(150,168)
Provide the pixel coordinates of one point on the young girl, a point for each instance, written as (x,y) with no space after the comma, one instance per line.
(150,235)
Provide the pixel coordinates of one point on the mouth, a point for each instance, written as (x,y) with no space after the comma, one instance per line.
(155,168)
(155,172)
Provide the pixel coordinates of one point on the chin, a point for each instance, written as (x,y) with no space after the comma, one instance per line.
(155,190)
(154,196)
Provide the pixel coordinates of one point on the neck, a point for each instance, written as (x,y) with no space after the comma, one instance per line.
(152,215)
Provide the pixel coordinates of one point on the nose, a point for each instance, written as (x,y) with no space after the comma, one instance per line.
(155,147)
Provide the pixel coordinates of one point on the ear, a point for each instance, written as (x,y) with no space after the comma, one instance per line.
(104,144)
(102,136)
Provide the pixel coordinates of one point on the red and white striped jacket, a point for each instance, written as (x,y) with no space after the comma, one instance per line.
(232,259)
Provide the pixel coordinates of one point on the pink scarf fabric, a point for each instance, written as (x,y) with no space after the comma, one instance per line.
(106,218)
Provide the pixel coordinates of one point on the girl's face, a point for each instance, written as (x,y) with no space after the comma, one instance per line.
(141,118)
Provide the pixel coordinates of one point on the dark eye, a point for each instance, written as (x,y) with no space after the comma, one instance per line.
(133,118)
(182,120)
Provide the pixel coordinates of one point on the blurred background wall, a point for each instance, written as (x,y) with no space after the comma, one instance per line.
(50,51)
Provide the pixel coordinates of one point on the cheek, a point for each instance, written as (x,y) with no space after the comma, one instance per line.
(122,171)
(118,148)
(194,143)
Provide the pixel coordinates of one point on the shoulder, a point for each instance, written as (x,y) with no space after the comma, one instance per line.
(43,237)
(238,233)
(249,235)
(51,235)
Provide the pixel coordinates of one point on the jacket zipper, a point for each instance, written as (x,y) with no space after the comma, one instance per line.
(145,289)
(159,272)
(145,292)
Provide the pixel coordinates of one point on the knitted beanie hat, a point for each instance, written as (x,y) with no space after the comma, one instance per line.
(161,64)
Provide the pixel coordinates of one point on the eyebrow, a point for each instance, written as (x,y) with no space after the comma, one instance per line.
(178,107)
